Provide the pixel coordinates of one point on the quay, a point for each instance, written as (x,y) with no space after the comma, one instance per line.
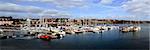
(9,30)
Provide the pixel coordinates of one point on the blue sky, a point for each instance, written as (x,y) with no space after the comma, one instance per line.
(102,9)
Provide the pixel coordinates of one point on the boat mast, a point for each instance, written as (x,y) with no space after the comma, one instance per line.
(40,24)
(28,22)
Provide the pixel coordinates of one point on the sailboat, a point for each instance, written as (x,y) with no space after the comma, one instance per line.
(69,31)
(132,28)
(41,27)
(135,28)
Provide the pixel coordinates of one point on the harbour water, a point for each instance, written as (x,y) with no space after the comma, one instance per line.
(113,39)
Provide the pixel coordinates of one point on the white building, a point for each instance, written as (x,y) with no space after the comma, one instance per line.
(6,21)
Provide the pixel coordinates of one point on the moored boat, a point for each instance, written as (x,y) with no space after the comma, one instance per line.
(135,28)
(1,30)
(130,29)
(68,31)
(78,31)
(96,30)
(125,29)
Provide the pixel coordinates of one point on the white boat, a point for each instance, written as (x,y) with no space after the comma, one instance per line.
(105,28)
(62,33)
(58,31)
(1,35)
(35,29)
(125,29)
(1,30)
(112,27)
(102,27)
(131,29)
(88,29)
(78,31)
(135,28)
(96,30)
(115,27)
(69,31)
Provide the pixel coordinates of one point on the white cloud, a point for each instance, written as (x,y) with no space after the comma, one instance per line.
(54,13)
(62,3)
(10,7)
(138,7)
(106,1)
(50,11)
(18,15)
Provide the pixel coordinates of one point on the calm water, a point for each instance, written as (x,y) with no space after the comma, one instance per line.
(108,40)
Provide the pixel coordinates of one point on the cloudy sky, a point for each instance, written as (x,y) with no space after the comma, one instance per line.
(102,9)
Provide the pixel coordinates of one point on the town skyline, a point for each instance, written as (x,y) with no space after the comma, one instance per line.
(42,17)
(98,9)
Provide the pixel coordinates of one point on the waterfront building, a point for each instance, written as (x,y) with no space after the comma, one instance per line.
(74,22)
(88,21)
(35,23)
(6,21)
(55,21)
(47,22)
(19,22)
(104,21)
